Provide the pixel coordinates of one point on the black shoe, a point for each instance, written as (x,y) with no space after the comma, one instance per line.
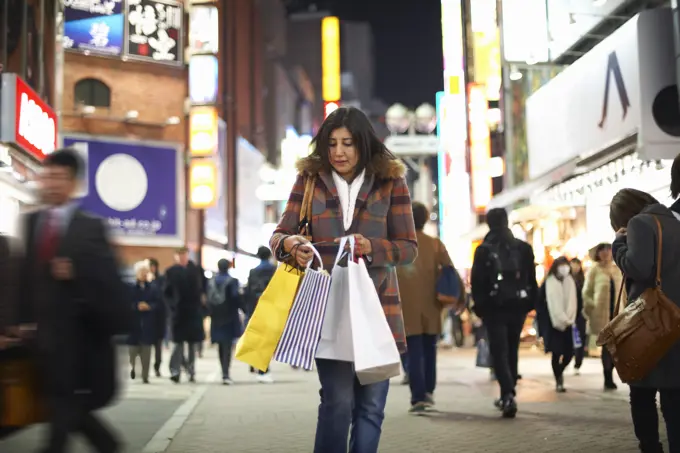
(158,373)
(559,385)
(509,407)
(498,404)
(145,381)
(175,379)
(609,385)
(133,375)
(192,379)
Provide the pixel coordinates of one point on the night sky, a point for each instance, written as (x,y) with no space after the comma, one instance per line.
(408,44)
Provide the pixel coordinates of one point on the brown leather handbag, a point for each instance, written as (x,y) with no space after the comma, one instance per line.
(641,335)
(21,399)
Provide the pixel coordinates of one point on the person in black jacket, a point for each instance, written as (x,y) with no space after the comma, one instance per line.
(675,186)
(160,315)
(503,283)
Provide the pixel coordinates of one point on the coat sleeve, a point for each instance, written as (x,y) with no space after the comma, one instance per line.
(401,245)
(479,277)
(288,225)
(530,265)
(635,252)
(588,293)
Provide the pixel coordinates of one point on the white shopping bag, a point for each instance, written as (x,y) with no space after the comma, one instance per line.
(336,332)
(376,356)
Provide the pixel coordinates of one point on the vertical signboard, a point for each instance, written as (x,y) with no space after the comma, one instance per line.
(154,31)
(204,30)
(480,146)
(330,59)
(94,26)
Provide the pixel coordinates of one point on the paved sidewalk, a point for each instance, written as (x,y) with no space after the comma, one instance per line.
(281,418)
(144,414)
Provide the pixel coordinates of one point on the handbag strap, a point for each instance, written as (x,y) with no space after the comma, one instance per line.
(307,199)
(657,281)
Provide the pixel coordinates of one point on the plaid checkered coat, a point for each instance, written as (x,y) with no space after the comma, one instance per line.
(382,214)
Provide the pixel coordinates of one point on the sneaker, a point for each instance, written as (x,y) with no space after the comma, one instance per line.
(418,409)
(133,375)
(265,378)
(509,407)
(429,400)
(227,381)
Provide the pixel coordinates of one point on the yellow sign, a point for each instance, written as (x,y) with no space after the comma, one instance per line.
(487,58)
(330,59)
(202,184)
(203,131)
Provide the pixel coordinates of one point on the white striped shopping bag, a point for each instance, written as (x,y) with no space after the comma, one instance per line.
(301,335)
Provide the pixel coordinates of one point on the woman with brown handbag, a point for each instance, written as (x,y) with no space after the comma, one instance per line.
(646,250)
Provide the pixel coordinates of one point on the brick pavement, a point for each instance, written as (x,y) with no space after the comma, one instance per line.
(280,418)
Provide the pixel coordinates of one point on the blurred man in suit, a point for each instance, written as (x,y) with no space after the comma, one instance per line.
(73,299)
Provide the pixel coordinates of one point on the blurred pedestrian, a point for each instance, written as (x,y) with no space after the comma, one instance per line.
(599,297)
(557,310)
(504,288)
(422,311)
(71,289)
(183,291)
(675,187)
(224,303)
(358,189)
(160,314)
(634,215)
(579,278)
(258,280)
(145,301)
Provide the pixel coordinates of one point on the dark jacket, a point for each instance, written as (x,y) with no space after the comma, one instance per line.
(635,254)
(182,291)
(225,323)
(160,313)
(143,330)
(258,280)
(76,319)
(10,263)
(481,280)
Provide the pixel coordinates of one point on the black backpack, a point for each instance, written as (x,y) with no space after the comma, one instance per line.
(504,268)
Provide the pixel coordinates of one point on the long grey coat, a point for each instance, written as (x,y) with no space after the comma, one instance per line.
(635,254)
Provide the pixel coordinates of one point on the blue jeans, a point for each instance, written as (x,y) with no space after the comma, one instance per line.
(422,365)
(347,404)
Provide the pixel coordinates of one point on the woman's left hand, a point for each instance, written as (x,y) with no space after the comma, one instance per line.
(362,246)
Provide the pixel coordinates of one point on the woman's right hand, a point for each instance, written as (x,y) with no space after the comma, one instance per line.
(298,248)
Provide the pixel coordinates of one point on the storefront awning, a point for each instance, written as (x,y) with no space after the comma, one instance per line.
(524,191)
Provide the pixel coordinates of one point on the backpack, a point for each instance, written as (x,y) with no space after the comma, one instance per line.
(257,282)
(217,292)
(504,268)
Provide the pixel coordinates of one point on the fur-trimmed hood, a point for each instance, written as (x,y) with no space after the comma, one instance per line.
(382,167)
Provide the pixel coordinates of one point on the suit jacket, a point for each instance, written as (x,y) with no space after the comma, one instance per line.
(382,214)
(76,319)
(635,254)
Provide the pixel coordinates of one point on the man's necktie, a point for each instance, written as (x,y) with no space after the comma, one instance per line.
(49,236)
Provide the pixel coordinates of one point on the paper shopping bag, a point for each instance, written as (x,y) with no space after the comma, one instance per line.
(376,356)
(336,333)
(257,344)
(301,335)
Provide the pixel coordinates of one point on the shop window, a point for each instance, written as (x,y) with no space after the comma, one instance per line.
(92,92)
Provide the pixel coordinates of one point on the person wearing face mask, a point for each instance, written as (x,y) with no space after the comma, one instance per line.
(559,300)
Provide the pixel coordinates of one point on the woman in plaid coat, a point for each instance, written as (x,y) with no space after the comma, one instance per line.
(358,189)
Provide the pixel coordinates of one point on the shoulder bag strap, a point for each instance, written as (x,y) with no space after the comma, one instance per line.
(659,244)
(308,197)
(657,280)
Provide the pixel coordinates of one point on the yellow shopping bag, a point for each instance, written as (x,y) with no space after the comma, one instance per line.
(257,344)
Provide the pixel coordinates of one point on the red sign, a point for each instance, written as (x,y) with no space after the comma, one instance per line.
(35,123)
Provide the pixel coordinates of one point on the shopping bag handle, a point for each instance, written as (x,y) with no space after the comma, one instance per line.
(342,251)
(318,256)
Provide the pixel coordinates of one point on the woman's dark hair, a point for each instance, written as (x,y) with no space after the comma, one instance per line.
(626,204)
(562,260)
(601,246)
(420,215)
(579,277)
(675,177)
(365,140)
